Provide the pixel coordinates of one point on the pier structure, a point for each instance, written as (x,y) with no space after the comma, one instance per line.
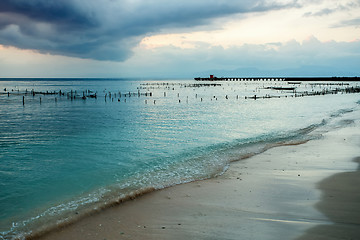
(288,79)
(240,79)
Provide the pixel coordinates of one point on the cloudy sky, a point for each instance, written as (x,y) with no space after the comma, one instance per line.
(179,38)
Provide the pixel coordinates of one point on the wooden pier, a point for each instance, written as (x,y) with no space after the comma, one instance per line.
(288,79)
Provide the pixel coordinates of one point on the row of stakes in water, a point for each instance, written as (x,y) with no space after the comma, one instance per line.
(89,94)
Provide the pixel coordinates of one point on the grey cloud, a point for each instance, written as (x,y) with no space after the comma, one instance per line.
(338,58)
(108,29)
(352,22)
(327,11)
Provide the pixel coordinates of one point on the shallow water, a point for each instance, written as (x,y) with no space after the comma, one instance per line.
(62,156)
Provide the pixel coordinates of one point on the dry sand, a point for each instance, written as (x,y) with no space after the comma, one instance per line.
(279,194)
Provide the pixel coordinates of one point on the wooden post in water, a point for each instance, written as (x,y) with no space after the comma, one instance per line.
(23,100)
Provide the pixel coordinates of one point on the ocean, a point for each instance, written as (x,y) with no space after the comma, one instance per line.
(69,147)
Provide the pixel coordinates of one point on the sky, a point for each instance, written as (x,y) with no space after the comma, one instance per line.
(179,38)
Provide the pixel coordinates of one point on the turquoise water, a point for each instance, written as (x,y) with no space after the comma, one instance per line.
(61,157)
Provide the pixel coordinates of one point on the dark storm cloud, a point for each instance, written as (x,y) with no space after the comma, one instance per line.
(62,12)
(108,29)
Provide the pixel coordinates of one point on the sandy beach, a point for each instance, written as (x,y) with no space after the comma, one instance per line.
(305,191)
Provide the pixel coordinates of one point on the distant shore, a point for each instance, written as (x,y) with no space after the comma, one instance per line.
(278,194)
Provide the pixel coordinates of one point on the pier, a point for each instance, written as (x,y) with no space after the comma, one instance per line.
(288,79)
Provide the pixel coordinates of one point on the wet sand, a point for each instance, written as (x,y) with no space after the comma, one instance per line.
(340,202)
(279,194)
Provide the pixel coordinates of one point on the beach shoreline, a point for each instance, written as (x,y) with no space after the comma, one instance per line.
(278,194)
